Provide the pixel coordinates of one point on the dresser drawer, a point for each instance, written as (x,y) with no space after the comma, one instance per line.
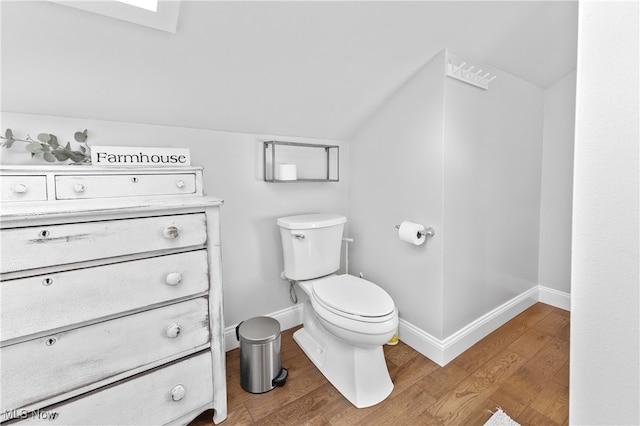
(70,187)
(23,188)
(154,398)
(35,247)
(46,302)
(62,362)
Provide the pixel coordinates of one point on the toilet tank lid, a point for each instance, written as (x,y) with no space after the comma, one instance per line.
(311,221)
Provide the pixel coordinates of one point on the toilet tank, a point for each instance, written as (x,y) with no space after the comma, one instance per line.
(311,244)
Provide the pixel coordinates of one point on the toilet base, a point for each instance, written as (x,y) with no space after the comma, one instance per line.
(359,373)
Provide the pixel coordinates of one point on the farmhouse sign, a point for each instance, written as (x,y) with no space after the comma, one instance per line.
(137,156)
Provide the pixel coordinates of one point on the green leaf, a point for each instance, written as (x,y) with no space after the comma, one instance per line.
(80,136)
(77,157)
(44,137)
(61,155)
(83,149)
(34,147)
(8,134)
(54,141)
(9,142)
(49,157)
(67,147)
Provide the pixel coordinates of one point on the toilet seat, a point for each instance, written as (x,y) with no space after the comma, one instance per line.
(353,298)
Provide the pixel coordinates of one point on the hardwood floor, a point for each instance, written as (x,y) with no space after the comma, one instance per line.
(522,367)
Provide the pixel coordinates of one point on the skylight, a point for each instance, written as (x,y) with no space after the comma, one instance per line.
(159,14)
(151,5)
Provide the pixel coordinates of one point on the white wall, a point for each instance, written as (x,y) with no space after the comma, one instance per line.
(492,165)
(605,284)
(554,264)
(315,69)
(251,248)
(466,162)
(396,175)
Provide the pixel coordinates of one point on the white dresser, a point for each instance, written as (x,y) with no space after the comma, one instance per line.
(111,296)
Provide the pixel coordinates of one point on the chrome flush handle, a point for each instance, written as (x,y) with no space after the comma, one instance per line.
(299,236)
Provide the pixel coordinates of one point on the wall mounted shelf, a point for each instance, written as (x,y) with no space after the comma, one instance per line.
(301,162)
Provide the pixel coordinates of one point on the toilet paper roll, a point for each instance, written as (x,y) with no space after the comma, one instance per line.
(412,233)
(286,172)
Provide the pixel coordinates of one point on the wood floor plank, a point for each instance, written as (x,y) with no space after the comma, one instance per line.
(441,380)
(412,370)
(297,386)
(553,401)
(534,314)
(481,414)
(401,409)
(345,414)
(310,406)
(522,367)
(240,416)
(287,350)
(562,376)
(553,322)
(565,333)
(472,392)
(532,341)
(491,345)
(547,362)
(425,418)
(522,387)
(398,354)
(315,421)
(501,399)
(532,417)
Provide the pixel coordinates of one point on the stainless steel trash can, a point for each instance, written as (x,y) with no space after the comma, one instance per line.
(260,368)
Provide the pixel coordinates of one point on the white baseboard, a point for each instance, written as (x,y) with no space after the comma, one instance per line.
(440,351)
(288,318)
(556,298)
(444,351)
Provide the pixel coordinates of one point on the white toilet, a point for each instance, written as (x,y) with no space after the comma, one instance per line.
(346,319)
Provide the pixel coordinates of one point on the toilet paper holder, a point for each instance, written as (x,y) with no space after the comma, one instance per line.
(429,232)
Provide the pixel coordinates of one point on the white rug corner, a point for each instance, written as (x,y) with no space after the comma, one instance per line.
(500,418)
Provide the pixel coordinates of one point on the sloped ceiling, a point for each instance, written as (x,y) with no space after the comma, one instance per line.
(314,69)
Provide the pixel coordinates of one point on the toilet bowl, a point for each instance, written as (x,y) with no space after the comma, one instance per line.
(346,320)
(353,309)
(347,347)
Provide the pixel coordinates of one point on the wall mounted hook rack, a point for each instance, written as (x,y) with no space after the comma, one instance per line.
(466,74)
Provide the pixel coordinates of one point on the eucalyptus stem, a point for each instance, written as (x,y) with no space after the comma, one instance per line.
(51,150)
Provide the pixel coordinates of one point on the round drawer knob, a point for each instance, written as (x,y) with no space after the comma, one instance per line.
(20,188)
(173,331)
(174,278)
(79,187)
(180,184)
(171,232)
(177,393)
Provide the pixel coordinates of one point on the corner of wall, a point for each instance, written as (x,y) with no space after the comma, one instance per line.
(397,154)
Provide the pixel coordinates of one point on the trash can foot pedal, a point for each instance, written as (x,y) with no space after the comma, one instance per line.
(281,379)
